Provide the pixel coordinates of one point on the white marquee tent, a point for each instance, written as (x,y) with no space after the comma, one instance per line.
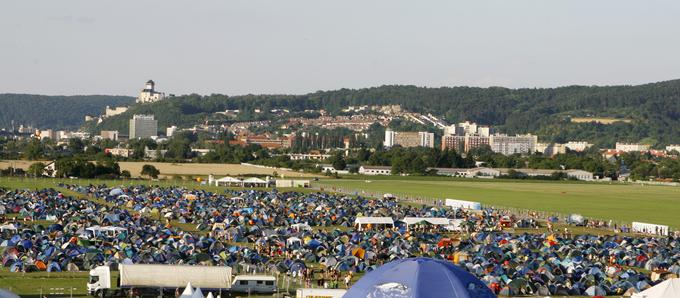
(667,289)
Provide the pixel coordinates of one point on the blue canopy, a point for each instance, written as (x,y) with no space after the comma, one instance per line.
(419,277)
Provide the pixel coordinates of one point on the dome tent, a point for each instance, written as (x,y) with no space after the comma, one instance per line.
(419,277)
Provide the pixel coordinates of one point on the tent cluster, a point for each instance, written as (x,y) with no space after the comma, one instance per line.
(291,232)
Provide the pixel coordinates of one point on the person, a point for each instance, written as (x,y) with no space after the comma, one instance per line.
(348,278)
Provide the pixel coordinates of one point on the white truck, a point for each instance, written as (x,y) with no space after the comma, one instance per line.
(319,293)
(155,279)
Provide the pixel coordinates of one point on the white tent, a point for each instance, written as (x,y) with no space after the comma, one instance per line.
(365,221)
(435,221)
(8,227)
(254,181)
(210,295)
(188,291)
(648,228)
(301,227)
(228,181)
(667,289)
(460,204)
(198,293)
(7,294)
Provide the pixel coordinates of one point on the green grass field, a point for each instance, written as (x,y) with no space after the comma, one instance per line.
(619,202)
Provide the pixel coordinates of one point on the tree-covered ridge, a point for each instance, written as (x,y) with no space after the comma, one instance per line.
(654,109)
(56,112)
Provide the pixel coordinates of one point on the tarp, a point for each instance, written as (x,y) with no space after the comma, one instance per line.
(647,228)
(438,221)
(667,289)
(365,220)
(463,204)
(419,277)
(173,276)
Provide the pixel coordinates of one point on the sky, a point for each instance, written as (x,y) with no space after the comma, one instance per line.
(71,47)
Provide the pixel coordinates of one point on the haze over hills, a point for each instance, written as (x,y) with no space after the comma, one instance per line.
(56,112)
(601,115)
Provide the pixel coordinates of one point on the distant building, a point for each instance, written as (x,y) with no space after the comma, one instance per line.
(375,170)
(149,93)
(670,148)
(551,149)
(170,131)
(122,152)
(631,147)
(463,143)
(507,145)
(266,141)
(467,128)
(578,146)
(312,155)
(143,126)
(110,112)
(409,139)
(109,135)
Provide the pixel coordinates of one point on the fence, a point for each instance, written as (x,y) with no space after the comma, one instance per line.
(432,201)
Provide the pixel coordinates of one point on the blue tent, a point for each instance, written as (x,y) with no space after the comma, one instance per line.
(419,277)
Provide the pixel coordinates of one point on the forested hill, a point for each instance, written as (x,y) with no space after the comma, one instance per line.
(56,112)
(651,112)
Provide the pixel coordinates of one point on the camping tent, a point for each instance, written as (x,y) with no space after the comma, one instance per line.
(419,277)
(667,289)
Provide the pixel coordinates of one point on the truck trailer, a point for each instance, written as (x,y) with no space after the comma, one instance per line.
(155,278)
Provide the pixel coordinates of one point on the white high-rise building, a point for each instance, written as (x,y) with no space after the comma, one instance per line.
(389,138)
(143,126)
(170,131)
(508,145)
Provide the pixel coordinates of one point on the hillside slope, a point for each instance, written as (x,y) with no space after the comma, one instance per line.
(56,112)
(651,111)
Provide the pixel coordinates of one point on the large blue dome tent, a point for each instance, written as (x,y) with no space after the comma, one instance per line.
(419,278)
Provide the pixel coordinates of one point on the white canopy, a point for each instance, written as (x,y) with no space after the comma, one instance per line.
(365,220)
(667,289)
(648,228)
(301,227)
(292,240)
(254,180)
(438,221)
(8,227)
(228,179)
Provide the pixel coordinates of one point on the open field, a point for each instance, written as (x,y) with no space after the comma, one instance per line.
(182,169)
(655,204)
(599,120)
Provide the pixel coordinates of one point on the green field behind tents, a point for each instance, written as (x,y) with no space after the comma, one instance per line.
(616,201)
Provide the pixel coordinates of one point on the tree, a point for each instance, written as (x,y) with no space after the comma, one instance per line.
(150,170)
(339,162)
(36,169)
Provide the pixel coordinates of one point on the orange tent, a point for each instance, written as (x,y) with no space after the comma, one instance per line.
(359,252)
(41,265)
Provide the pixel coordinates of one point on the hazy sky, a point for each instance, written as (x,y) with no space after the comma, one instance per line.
(288,46)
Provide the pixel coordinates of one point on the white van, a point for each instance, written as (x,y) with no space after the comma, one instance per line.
(263,284)
(319,293)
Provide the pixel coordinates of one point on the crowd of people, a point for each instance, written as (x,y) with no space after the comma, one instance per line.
(312,237)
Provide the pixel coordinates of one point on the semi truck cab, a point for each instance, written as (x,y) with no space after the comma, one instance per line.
(99,280)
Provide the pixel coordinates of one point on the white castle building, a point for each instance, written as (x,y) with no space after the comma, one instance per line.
(149,94)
